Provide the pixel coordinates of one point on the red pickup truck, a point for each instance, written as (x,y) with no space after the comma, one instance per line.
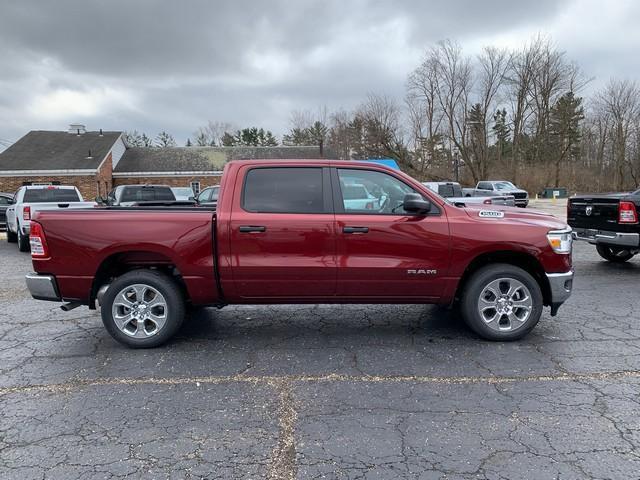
(303,232)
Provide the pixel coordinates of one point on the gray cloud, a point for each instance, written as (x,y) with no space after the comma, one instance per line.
(155,65)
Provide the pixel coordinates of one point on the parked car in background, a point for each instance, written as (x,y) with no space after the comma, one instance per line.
(131,195)
(6,199)
(208,197)
(33,198)
(357,197)
(284,232)
(608,221)
(452,191)
(499,187)
(183,194)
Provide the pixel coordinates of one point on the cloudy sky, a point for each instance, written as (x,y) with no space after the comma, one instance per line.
(174,65)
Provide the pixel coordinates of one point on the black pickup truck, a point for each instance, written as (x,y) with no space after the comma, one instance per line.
(608,221)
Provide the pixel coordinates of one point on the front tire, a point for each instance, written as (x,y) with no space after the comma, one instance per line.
(614,254)
(143,309)
(23,242)
(502,302)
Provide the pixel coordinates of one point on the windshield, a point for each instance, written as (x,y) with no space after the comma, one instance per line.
(505,186)
(50,194)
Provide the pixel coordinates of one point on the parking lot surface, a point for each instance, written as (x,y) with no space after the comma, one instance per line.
(324,391)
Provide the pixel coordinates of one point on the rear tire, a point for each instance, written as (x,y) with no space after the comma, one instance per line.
(614,254)
(501,302)
(11,237)
(143,308)
(23,242)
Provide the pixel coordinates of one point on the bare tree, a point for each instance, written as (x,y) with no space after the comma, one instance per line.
(620,101)
(381,118)
(425,114)
(211,134)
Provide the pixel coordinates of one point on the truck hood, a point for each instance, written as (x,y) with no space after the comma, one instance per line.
(500,213)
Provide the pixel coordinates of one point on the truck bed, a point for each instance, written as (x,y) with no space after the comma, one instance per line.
(88,244)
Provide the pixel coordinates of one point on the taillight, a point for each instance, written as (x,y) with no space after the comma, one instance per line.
(487,201)
(627,213)
(26,212)
(37,241)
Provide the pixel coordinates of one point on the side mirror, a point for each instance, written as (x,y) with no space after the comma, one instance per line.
(101,200)
(414,203)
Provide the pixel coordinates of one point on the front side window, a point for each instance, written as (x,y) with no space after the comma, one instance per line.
(371,192)
(283,190)
(205,195)
(505,186)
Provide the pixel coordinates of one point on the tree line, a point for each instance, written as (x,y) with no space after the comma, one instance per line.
(517,114)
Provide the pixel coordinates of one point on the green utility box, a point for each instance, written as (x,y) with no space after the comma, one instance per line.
(557,192)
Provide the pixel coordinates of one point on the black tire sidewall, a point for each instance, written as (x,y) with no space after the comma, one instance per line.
(474,288)
(166,286)
(606,252)
(23,242)
(11,237)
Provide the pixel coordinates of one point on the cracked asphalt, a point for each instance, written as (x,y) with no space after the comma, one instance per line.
(346,392)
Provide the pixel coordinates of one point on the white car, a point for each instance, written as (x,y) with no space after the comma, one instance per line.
(33,198)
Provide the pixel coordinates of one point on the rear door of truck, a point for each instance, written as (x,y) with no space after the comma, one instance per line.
(282,235)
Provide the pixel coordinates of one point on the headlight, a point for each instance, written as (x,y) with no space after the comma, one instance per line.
(560,240)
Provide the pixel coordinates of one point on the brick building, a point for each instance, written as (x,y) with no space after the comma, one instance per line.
(95,162)
(75,157)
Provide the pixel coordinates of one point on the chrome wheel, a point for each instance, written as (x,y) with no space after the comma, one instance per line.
(505,304)
(139,311)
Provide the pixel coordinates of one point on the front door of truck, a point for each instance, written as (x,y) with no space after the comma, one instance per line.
(383,251)
(282,237)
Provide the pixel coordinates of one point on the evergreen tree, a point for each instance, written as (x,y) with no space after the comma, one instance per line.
(564,127)
(164,140)
(134,139)
(146,141)
(188,144)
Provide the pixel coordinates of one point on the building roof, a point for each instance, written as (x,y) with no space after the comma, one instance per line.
(45,150)
(203,159)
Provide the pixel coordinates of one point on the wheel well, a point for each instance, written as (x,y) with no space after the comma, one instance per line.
(120,263)
(523,260)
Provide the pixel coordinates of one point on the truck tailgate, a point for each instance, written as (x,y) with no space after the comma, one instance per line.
(599,213)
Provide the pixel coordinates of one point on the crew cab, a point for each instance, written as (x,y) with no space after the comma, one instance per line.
(33,198)
(499,187)
(283,232)
(608,221)
(452,191)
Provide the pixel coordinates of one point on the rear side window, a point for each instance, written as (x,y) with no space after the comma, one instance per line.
(283,190)
(50,195)
(147,194)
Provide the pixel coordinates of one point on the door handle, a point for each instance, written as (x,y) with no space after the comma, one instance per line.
(252,229)
(355,229)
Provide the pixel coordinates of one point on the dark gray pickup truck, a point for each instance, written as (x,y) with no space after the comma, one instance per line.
(608,221)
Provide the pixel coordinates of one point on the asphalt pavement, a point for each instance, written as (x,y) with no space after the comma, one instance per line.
(318,391)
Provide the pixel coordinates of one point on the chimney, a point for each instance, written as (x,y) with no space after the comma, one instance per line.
(77,128)
(101,133)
